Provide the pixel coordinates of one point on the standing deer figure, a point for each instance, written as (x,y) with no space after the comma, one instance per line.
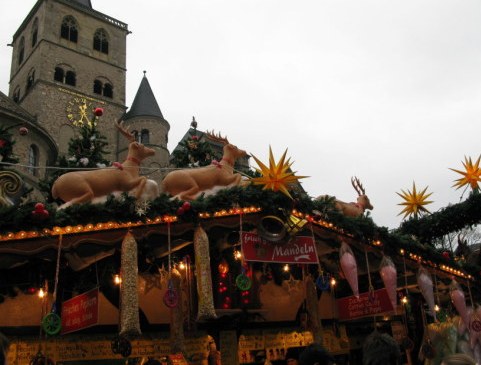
(83,186)
(354,209)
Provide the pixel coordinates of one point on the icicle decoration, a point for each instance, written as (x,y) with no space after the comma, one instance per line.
(177,343)
(349,267)
(206,308)
(389,277)
(129,297)
(426,286)
(459,301)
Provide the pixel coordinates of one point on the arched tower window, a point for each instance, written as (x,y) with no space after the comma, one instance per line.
(103,88)
(144,136)
(33,160)
(98,87)
(30,79)
(108,91)
(68,30)
(136,135)
(16,94)
(21,50)
(101,42)
(70,78)
(59,74)
(34,32)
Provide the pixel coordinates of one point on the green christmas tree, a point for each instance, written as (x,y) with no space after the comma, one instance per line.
(85,151)
(193,152)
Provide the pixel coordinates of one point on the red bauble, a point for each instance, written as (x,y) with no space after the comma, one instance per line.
(186,206)
(195,138)
(446,254)
(180,211)
(23,131)
(40,212)
(98,112)
(2,143)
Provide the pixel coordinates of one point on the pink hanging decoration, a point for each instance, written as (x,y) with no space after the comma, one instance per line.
(425,284)
(459,301)
(349,267)
(475,328)
(389,277)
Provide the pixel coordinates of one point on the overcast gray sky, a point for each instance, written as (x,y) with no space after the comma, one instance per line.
(389,91)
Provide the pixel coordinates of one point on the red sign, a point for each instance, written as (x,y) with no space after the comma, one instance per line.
(366,305)
(80,312)
(300,250)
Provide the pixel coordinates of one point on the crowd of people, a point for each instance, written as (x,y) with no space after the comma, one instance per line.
(378,349)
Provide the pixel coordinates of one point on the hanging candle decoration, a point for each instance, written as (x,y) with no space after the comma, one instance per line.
(425,284)
(459,301)
(313,320)
(389,277)
(223,267)
(129,297)
(206,308)
(349,267)
(176,316)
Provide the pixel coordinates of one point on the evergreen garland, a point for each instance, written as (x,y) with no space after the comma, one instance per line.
(193,152)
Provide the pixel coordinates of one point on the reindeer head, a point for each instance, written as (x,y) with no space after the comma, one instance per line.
(362,199)
(136,149)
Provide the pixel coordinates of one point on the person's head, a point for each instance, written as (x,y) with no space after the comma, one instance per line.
(315,354)
(380,349)
(458,359)
(4,344)
(292,355)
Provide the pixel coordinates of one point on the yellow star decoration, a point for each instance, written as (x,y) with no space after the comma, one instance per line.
(471,176)
(414,202)
(277,176)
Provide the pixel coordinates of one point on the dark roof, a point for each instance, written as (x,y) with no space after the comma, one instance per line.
(144,102)
(86,3)
(7,105)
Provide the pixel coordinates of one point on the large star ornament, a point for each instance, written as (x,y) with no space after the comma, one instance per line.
(414,202)
(278,176)
(471,175)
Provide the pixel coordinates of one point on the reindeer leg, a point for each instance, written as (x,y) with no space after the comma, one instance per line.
(190,194)
(88,196)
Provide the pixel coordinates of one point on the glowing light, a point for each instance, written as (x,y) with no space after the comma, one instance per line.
(286,267)
(436,308)
(333,282)
(237,255)
(41,293)
(182,265)
(404,300)
(117,279)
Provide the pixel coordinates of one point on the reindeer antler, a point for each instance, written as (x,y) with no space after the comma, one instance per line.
(124,130)
(357,186)
(217,137)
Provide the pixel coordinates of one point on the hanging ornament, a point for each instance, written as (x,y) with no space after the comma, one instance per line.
(471,175)
(52,324)
(171,298)
(243,281)
(206,308)
(129,296)
(389,277)
(349,267)
(414,202)
(459,301)
(425,284)
(223,267)
(23,131)
(98,112)
(40,213)
(177,342)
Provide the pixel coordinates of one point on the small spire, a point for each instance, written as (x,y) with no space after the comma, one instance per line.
(193,124)
(145,73)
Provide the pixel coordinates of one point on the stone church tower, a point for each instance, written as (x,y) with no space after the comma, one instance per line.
(68,59)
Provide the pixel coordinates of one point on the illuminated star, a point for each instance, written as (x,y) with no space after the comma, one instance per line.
(414,202)
(471,176)
(277,176)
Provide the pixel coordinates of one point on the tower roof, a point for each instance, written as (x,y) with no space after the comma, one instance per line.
(86,3)
(144,103)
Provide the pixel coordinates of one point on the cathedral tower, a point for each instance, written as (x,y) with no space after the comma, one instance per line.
(68,59)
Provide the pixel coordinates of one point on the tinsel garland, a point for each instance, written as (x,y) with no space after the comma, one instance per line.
(313,321)
(129,297)
(206,308)
(177,343)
